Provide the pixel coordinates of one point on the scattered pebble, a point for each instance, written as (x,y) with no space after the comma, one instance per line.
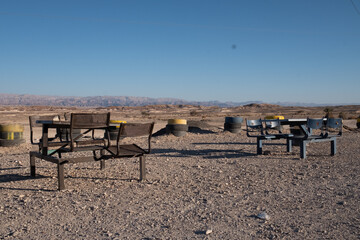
(229,194)
(263,216)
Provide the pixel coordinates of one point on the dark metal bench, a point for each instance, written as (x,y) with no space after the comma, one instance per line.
(54,141)
(124,149)
(267,130)
(316,131)
(88,121)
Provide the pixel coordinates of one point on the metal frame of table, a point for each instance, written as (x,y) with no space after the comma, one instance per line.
(59,161)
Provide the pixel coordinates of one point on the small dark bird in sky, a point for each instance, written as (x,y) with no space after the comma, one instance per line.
(233,46)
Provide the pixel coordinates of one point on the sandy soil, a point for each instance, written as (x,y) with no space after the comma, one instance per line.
(207,185)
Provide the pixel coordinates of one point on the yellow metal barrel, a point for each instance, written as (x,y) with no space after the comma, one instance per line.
(177,127)
(114,128)
(117,122)
(177,121)
(11,134)
(11,131)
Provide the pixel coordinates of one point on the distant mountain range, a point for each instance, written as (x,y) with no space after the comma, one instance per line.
(106,101)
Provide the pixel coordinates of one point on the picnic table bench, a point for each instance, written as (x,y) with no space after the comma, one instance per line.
(98,146)
(319,130)
(260,129)
(308,131)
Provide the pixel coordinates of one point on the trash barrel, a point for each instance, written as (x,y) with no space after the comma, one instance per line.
(233,124)
(177,127)
(11,135)
(65,133)
(358,123)
(114,128)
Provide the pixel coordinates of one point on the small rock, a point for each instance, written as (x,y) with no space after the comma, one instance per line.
(19,163)
(267,153)
(208,231)
(263,216)
(93,208)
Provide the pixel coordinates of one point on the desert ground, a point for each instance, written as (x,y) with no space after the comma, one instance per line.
(208,184)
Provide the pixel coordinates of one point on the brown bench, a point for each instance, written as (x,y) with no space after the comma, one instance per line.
(101,148)
(89,122)
(132,149)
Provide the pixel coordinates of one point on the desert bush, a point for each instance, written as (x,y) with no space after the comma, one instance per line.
(145,113)
(343,115)
(328,112)
(193,113)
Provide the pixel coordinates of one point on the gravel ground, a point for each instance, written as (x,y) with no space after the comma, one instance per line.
(200,186)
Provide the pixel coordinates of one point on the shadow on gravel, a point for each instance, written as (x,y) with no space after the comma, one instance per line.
(200,232)
(206,153)
(13,168)
(224,143)
(197,130)
(106,178)
(15,177)
(238,143)
(252,216)
(243,154)
(29,189)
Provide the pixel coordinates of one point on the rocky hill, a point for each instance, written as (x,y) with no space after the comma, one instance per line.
(108,101)
(102,101)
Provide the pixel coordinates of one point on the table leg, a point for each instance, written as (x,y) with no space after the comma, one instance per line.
(45,139)
(303,149)
(102,164)
(142,168)
(61,185)
(259,146)
(32,165)
(304,130)
(333,147)
(289,144)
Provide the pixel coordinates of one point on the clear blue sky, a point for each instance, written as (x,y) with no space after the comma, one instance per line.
(226,50)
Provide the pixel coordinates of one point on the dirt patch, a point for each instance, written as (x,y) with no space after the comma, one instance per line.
(200,186)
